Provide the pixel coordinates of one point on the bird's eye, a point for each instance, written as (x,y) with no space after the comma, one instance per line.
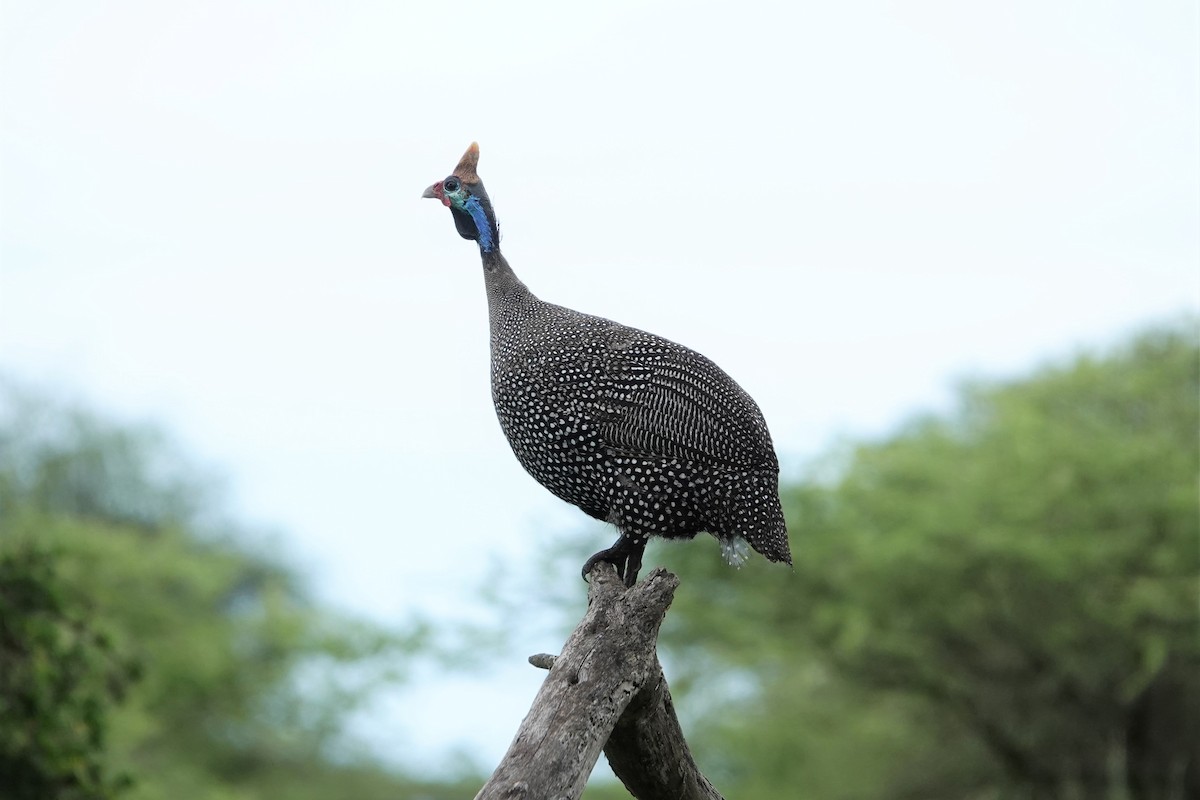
(450,184)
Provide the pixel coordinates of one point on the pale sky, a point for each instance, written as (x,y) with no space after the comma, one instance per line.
(210,218)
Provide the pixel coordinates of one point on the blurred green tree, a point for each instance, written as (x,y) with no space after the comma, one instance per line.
(114,552)
(59,676)
(998,602)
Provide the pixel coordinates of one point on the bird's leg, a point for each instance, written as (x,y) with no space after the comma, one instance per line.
(633,561)
(625,555)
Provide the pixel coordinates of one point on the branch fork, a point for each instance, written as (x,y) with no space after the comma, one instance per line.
(605,692)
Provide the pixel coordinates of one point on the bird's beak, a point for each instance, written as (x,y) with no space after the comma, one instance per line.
(435,191)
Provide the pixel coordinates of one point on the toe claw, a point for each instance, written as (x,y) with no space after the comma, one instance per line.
(625,556)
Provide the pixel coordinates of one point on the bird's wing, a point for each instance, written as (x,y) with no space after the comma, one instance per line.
(666,401)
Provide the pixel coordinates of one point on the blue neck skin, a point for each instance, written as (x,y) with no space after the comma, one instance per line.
(482,224)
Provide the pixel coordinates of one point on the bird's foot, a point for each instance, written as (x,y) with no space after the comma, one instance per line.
(625,555)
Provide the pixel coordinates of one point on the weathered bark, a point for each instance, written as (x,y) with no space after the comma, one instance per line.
(606,691)
(648,753)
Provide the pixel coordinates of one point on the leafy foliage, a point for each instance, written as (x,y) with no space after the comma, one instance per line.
(114,553)
(59,674)
(979,602)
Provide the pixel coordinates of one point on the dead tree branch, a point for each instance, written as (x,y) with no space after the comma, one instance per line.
(605,691)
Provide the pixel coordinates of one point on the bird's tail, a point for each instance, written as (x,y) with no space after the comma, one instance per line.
(754,514)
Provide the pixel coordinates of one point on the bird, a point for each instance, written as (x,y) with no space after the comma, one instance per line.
(632,428)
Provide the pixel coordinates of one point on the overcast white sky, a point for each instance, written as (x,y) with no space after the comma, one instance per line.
(210,217)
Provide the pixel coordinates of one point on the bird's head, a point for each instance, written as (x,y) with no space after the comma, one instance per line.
(463,193)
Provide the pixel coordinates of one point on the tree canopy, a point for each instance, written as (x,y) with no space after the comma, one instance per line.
(981,602)
(150,647)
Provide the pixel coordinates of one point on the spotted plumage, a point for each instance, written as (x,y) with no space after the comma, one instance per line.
(632,428)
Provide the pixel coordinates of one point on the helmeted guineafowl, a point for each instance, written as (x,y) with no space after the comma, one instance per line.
(632,428)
